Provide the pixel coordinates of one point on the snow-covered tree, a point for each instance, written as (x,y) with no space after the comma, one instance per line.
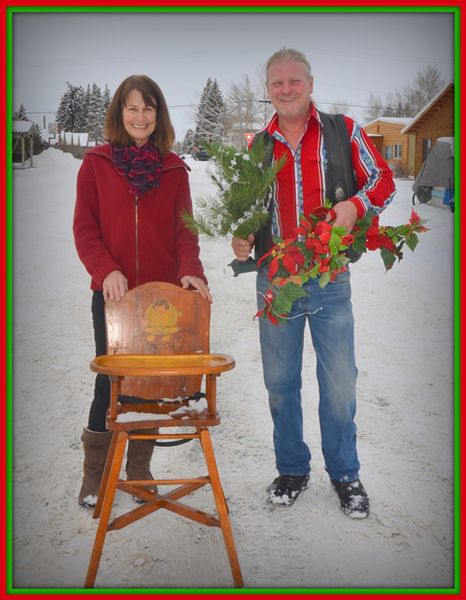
(70,114)
(188,141)
(20,114)
(106,98)
(95,115)
(210,118)
(86,102)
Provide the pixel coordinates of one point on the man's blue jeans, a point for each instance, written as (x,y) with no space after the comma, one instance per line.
(329,313)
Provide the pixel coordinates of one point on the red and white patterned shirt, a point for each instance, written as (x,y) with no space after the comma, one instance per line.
(300,185)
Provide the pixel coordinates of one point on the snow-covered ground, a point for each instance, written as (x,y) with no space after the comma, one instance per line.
(404,327)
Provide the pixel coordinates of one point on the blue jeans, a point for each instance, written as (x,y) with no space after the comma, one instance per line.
(329,313)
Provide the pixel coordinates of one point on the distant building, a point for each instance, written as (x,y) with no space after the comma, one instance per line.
(23,142)
(434,121)
(46,124)
(396,148)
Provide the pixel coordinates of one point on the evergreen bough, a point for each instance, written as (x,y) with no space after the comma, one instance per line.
(244,185)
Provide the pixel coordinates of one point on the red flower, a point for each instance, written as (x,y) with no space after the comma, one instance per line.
(293,259)
(324,264)
(373,237)
(387,243)
(305,226)
(315,246)
(415,218)
(348,239)
(415,221)
(284,254)
(323,231)
(320,213)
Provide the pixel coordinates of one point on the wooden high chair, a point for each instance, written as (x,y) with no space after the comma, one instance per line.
(157,357)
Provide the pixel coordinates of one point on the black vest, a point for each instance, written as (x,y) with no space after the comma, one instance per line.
(340,182)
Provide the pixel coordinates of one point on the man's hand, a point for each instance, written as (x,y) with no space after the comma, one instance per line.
(343,214)
(242,248)
(114,286)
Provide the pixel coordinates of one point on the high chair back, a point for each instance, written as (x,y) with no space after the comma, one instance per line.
(159,318)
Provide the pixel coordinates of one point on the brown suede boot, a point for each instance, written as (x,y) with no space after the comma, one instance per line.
(138,458)
(95,445)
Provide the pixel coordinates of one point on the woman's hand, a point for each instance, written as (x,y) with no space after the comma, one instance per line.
(242,248)
(114,286)
(198,284)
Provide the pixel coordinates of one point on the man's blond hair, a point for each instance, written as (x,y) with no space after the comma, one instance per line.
(287,54)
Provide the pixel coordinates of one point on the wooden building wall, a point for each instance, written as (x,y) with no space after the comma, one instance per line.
(391,133)
(435,123)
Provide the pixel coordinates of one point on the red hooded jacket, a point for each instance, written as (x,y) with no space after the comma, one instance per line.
(143,236)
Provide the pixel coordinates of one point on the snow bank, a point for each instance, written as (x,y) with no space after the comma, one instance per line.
(404,327)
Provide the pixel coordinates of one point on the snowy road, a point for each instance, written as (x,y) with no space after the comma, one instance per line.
(404,328)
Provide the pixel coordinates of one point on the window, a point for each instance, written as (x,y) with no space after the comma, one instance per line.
(426,146)
(388,152)
(397,151)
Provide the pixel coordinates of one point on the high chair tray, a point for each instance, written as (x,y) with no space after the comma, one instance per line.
(161,364)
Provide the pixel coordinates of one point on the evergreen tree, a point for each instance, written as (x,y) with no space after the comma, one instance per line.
(95,116)
(86,102)
(20,114)
(70,114)
(106,98)
(188,141)
(210,118)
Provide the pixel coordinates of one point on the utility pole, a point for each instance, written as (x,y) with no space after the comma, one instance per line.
(265,102)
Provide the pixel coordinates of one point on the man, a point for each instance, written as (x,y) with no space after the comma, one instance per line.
(327,157)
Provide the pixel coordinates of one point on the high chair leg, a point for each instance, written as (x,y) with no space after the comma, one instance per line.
(105,475)
(106,507)
(222,508)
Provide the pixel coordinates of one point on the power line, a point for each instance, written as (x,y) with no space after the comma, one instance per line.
(318,101)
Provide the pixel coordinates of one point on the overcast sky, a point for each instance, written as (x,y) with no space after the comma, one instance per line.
(351,54)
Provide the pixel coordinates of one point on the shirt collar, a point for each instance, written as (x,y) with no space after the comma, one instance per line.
(313,115)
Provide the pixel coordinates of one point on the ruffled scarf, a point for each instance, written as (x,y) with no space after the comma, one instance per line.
(140,165)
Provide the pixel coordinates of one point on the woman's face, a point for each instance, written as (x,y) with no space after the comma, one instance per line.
(139,119)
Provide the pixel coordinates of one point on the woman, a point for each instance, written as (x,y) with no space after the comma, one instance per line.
(128,230)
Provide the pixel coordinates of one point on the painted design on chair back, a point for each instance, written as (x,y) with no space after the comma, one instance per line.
(161,319)
(158,318)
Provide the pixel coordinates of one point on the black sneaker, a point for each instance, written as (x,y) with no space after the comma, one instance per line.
(354,500)
(286,488)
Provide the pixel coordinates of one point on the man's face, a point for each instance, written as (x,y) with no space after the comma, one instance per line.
(289,87)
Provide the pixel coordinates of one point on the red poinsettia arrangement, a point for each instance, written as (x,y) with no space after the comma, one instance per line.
(321,250)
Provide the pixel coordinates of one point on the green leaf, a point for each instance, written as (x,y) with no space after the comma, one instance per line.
(388,258)
(411,241)
(286,296)
(315,270)
(324,279)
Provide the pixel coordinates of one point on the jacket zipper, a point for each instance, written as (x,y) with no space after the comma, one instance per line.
(136,222)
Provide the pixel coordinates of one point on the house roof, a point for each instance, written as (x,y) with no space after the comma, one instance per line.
(396,120)
(423,111)
(22,126)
